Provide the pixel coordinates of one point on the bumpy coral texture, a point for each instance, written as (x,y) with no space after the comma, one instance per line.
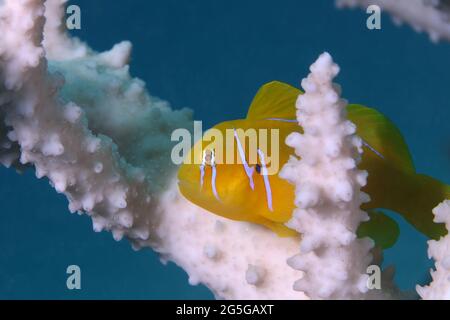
(439,288)
(328,195)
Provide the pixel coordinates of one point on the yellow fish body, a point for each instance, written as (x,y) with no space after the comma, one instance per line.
(248,187)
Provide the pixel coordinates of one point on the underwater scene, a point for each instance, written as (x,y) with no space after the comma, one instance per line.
(235,150)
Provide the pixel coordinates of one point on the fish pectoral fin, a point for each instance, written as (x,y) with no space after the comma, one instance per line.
(382,229)
(274,100)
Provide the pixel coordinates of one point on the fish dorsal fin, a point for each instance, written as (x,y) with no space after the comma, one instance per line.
(382,135)
(274,100)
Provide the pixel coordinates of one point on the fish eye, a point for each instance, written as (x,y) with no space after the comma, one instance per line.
(209,158)
(258,168)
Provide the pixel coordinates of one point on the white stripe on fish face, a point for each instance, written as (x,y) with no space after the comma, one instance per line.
(202,175)
(212,164)
(266,180)
(248,170)
(203,166)
(213,182)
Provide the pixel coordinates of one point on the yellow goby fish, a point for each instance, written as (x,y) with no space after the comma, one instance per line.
(245,191)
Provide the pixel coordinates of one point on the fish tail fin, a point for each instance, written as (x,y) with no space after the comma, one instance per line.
(414,196)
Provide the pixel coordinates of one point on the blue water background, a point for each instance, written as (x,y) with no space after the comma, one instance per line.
(212,56)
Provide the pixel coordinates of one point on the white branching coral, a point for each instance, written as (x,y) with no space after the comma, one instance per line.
(81,121)
(439,288)
(431,16)
(53,137)
(328,195)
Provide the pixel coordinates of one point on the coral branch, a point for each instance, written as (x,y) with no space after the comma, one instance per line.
(432,16)
(328,193)
(439,250)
